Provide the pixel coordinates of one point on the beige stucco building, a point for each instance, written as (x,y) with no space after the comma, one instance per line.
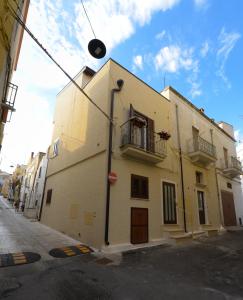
(11,35)
(159,186)
(28,185)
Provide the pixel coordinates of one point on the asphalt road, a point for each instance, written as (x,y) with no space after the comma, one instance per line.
(210,268)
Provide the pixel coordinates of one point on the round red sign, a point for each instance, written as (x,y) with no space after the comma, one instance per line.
(112,177)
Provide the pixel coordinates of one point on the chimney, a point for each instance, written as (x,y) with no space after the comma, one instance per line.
(86,75)
(32,155)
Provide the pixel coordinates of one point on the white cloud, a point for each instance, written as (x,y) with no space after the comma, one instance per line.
(160,35)
(205,48)
(227,42)
(173,58)
(29,130)
(62,27)
(201,4)
(137,62)
(195,90)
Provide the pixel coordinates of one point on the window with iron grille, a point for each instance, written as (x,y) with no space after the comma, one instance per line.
(48,196)
(139,187)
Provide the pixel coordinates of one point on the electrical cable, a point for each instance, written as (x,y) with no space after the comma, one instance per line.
(18,19)
(88,18)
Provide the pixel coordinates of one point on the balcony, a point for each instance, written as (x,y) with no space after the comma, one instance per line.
(139,143)
(8,103)
(202,152)
(232,167)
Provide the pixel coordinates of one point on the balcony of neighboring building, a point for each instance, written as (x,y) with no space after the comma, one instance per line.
(139,141)
(201,151)
(8,102)
(231,167)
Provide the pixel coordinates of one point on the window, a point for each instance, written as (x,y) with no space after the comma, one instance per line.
(40,172)
(226,157)
(199,178)
(139,187)
(48,196)
(229,185)
(141,131)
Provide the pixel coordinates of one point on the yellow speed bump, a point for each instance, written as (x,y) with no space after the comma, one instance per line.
(20,258)
(70,251)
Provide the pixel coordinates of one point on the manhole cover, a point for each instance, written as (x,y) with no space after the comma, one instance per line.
(70,251)
(15,259)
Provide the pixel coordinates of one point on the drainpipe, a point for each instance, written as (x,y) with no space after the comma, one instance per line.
(181,169)
(44,189)
(217,184)
(120,83)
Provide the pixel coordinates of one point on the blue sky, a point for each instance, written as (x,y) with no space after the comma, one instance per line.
(194,45)
(211,27)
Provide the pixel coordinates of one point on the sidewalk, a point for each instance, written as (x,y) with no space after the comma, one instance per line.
(18,234)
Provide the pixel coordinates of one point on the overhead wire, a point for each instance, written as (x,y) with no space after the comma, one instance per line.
(88,18)
(20,21)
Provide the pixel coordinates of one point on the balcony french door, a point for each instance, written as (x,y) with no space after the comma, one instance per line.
(201,207)
(139,136)
(169,203)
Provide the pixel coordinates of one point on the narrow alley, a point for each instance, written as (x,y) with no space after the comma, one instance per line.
(18,233)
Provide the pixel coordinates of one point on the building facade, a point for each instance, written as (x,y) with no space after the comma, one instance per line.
(11,35)
(210,148)
(28,188)
(136,179)
(36,197)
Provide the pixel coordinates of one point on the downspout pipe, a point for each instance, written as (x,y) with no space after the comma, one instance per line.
(120,83)
(44,189)
(181,169)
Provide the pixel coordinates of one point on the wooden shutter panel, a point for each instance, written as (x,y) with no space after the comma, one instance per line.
(131,114)
(150,128)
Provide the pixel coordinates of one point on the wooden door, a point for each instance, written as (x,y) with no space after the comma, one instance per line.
(139,225)
(201,207)
(228,208)
(169,203)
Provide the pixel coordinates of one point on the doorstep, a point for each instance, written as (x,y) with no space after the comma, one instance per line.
(127,247)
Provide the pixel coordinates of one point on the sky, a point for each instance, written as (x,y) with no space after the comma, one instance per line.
(195,46)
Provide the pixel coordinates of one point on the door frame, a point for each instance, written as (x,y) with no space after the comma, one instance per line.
(162,201)
(228,192)
(144,208)
(205,207)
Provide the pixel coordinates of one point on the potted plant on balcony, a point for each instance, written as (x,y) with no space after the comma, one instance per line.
(164,135)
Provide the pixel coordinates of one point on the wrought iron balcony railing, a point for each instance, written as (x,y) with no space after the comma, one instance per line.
(204,146)
(236,163)
(231,163)
(8,102)
(142,139)
(12,90)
